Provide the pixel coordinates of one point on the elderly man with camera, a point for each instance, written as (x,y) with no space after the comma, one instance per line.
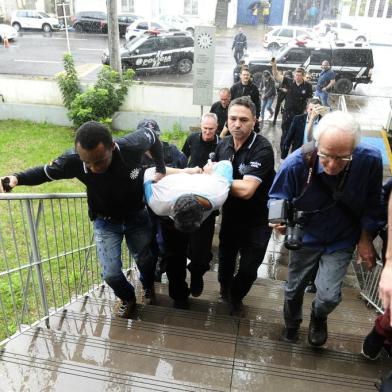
(326,198)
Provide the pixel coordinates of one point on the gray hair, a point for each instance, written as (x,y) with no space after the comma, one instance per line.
(209,115)
(341,121)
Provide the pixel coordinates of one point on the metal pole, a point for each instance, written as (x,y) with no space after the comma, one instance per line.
(36,258)
(113,36)
(66,28)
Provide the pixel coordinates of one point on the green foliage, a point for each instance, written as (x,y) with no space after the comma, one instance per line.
(68,81)
(175,136)
(97,103)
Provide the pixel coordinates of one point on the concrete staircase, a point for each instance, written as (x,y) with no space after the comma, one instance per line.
(201,349)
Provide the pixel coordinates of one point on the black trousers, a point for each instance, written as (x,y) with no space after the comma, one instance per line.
(238,54)
(179,246)
(251,243)
(287,119)
(279,100)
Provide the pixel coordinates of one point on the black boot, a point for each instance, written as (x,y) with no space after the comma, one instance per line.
(289,335)
(318,331)
(373,345)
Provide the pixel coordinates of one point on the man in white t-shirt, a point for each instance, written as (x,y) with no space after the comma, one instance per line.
(186,202)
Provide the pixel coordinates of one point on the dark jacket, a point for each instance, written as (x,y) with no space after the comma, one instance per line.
(239,42)
(267,88)
(240,90)
(295,135)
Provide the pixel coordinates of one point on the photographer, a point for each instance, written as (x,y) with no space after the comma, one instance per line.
(303,126)
(334,187)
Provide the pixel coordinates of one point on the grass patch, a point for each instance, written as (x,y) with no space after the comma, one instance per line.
(64,232)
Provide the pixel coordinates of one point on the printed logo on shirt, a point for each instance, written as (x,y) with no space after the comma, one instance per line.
(148,136)
(255,164)
(242,168)
(134,174)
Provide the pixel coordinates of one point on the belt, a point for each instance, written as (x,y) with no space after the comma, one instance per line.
(115,221)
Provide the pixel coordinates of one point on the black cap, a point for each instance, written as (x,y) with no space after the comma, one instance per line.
(187,213)
(149,124)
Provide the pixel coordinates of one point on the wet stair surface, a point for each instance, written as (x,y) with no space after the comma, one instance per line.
(201,349)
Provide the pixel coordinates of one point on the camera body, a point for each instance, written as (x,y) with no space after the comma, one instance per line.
(283,212)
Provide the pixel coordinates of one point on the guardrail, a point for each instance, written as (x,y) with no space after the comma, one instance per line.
(47,257)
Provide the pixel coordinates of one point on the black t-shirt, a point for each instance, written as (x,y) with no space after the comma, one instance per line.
(221,113)
(242,90)
(254,159)
(197,150)
(297,95)
(117,193)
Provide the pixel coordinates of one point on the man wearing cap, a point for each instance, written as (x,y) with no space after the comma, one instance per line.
(111,171)
(298,92)
(186,200)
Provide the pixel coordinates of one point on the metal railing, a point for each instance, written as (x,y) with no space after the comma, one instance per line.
(47,257)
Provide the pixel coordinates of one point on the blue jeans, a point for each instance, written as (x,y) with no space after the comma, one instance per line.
(109,236)
(331,271)
(267,105)
(323,95)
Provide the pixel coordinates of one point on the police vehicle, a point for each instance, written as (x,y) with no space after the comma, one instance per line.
(352,63)
(157,52)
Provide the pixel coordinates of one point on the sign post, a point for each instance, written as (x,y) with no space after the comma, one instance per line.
(203,68)
(63,11)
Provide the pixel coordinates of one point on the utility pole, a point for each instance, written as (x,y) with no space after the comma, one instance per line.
(113,36)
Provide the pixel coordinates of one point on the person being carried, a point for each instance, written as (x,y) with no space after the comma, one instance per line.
(111,171)
(185,200)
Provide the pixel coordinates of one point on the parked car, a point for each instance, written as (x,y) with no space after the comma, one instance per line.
(281,35)
(342,31)
(179,22)
(33,19)
(7,31)
(89,21)
(157,52)
(124,20)
(141,26)
(352,63)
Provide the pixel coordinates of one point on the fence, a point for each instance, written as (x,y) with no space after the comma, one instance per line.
(47,257)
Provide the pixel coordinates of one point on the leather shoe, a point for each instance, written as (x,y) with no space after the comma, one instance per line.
(289,335)
(181,304)
(318,331)
(373,345)
(197,284)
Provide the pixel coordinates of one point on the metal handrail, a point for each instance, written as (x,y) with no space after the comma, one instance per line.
(47,257)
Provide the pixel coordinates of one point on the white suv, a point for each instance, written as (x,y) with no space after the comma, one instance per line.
(342,31)
(33,19)
(282,35)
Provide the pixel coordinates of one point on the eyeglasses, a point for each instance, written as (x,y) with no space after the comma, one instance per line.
(326,157)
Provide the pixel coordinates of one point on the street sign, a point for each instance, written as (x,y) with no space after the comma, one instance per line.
(203,65)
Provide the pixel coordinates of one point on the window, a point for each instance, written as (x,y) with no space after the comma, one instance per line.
(142,26)
(127,5)
(301,32)
(191,7)
(286,33)
(296,56)
(150,46)
(276,32)
(372,6)
(389,12)
(346,26)
(318,56)
(381,9)
(352,58)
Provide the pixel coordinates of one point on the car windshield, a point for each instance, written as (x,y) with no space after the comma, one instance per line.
(281,52)
(44,15)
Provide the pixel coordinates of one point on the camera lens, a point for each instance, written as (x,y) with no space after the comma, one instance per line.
(293,238)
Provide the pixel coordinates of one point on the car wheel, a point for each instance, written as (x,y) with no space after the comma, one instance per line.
(16,26)
(273,46)
(257,78)
(190,31)
(361,39)
(78,28)
(46,28)
(184,66)
(343,86)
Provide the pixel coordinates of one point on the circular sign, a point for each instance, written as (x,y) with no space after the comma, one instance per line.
(204,40)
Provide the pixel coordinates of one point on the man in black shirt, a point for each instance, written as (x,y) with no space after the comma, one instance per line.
(239,45)
(199,145)
(113,177)
(245,87)
(220,108)
(298,92)
(244,227)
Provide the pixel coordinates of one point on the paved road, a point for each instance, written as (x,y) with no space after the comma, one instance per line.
(37,53)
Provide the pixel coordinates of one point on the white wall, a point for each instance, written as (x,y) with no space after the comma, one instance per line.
(143,100)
